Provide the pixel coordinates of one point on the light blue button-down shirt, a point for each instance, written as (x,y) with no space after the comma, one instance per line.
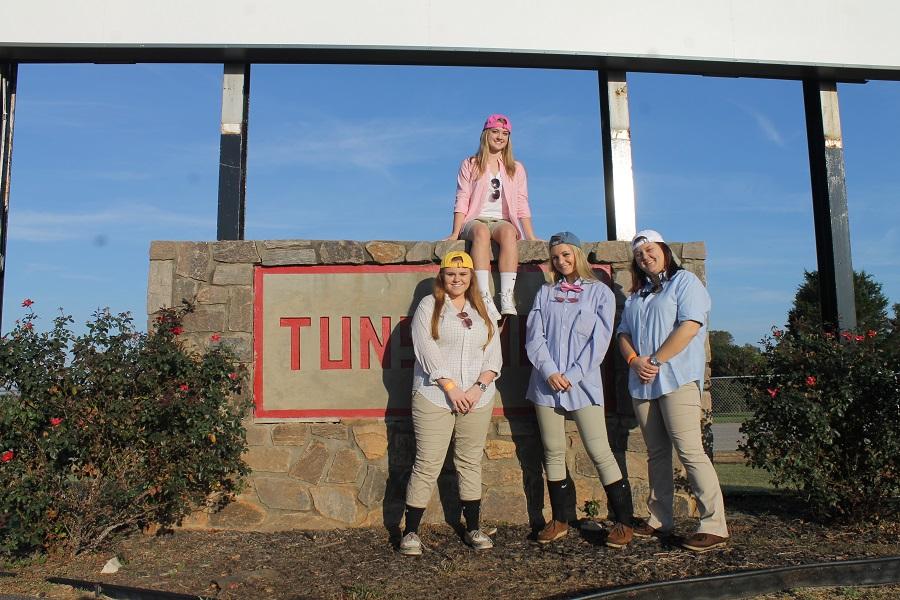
(572,339)
(650,318)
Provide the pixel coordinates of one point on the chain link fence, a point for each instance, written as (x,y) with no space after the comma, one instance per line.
(729,398)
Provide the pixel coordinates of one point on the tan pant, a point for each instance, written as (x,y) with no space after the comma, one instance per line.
(591,422)
(674,419)
(435,427)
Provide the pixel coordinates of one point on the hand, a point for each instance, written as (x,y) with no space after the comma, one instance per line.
(459,401)
(473,395)
(645,371)
(559,383)
(451,237)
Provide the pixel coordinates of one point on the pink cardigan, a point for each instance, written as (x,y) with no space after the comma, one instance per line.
(470,194)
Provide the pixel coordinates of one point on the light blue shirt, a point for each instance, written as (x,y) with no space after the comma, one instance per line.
(650,318)
(572,339)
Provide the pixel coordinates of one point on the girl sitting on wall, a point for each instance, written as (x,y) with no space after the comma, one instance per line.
(492,204)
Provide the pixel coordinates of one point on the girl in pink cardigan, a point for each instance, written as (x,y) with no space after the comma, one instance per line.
(492,204)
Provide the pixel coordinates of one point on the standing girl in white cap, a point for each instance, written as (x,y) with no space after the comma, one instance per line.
(568,334)
(458,358)
(662,337)
(492,204)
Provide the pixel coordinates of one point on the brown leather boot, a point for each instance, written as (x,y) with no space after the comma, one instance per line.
(619,536)
(619,496)
(552,532)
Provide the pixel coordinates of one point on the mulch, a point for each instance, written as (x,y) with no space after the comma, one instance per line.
(767,531)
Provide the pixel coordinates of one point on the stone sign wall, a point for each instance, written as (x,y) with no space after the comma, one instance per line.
(328,452)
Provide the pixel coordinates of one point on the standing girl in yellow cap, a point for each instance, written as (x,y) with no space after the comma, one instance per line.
(458,358)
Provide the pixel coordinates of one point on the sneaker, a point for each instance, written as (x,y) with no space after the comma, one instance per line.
(507,304)
(703,542)
(411,545)
(552,532)
(642,529)
(478,540)
(489,530)
(491,307)
(619,536)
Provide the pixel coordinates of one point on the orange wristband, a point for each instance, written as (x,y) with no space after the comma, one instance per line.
(448,386)
(631,358)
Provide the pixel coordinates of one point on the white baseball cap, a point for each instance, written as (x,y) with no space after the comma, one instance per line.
(644,236)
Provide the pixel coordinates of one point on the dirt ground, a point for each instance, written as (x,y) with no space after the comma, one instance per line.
(363,564)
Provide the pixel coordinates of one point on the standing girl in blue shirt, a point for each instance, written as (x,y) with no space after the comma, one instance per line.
(662,336)
(568,334)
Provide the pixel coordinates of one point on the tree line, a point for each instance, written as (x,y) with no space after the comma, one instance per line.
(872,315)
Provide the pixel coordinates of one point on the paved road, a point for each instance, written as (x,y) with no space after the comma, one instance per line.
(726,436)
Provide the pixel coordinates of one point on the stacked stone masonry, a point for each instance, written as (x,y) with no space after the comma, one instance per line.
(353,473)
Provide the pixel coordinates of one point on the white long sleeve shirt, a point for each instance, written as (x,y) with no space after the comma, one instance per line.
(457,354)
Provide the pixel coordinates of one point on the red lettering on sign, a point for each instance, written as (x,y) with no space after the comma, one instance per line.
(368,339)
(325,361)
(295,323)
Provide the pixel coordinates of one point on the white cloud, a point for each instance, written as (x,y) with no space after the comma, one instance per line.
(50,226)
(766,125)
(371,144)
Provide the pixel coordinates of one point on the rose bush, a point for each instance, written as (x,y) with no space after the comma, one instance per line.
(826,420)
(111,430)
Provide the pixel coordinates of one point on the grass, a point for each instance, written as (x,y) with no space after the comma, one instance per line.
(742,479)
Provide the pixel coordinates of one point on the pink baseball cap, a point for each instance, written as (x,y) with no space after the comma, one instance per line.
(498,121)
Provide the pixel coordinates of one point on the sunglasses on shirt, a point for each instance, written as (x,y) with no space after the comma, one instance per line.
(466,320)
(571,300)
(495,183)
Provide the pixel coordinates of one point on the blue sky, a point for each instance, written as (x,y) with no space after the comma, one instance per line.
(110,157)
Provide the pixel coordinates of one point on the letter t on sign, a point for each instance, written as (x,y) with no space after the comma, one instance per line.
(295,323)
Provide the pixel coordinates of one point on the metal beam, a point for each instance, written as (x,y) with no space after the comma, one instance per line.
(8,73)
(615,125)
(829,195)
(233,151)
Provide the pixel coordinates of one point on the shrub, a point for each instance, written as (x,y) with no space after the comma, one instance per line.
(827,420)
(111,430)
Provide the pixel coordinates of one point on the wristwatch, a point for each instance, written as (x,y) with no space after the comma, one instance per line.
(654,362)
(481,385)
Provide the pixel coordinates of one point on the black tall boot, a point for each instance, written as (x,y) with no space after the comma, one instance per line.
(562,503)
(618,499)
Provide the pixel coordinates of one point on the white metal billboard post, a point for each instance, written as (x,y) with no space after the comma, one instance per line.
(618,175)
(8,74)
(829,194)
(233,151)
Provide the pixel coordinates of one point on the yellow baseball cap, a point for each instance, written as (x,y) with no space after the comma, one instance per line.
(457,255)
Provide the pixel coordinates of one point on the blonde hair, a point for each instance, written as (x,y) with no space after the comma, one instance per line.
(473,295)
(582,267)
(481,157)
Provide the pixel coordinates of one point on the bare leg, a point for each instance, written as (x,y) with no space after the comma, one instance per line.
(481,246)
(506,236)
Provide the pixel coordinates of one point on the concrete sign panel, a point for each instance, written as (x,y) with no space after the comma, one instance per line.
(841,35)
(334,341)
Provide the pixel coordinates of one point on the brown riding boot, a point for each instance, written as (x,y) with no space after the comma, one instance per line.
(619,536)
(562,502)
(618,495)
(552,532)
